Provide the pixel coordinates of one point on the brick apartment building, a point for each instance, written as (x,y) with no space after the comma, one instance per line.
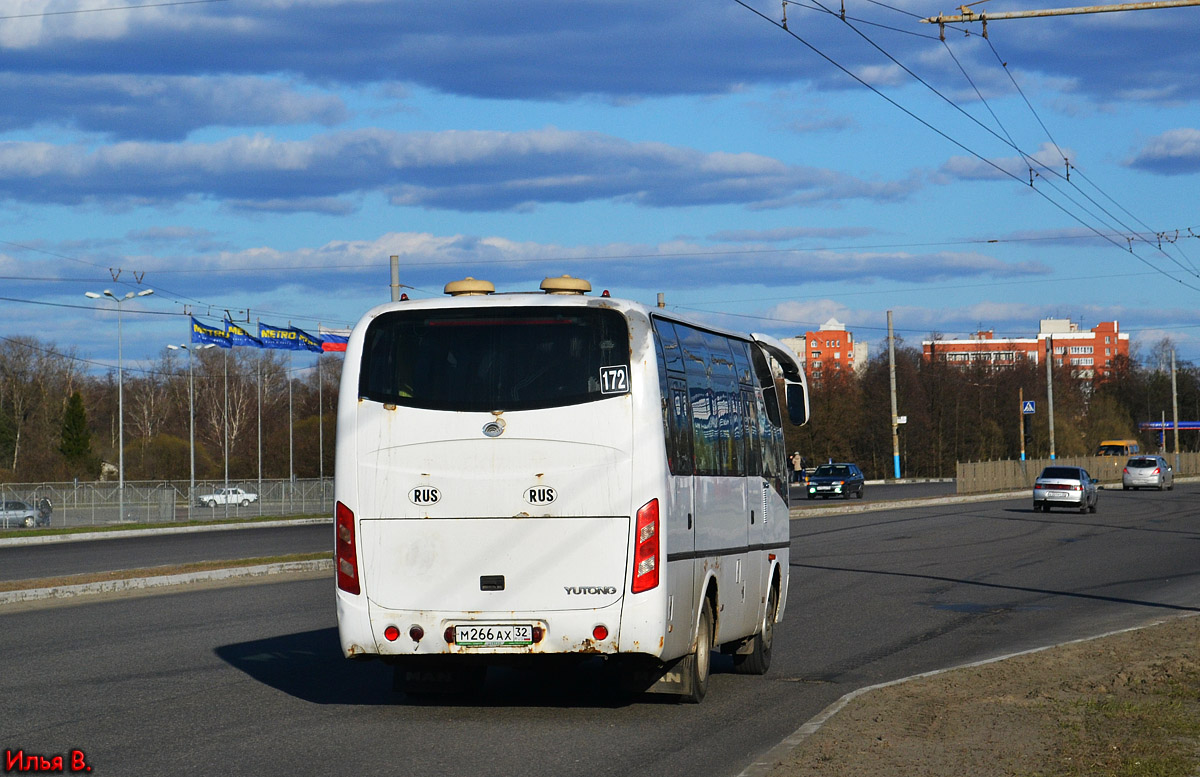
(1088,354)
(831,348)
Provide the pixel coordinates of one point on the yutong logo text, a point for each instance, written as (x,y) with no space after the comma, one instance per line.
(589,589)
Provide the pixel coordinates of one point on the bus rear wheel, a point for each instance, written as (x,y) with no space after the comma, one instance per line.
(758,660)
(701,657)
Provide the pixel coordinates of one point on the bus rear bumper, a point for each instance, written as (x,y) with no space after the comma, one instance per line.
(365,628)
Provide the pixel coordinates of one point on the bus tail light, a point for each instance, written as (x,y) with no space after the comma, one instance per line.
(645,552)
(345,555)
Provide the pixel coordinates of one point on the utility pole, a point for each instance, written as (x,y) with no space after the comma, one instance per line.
(1050,388)
(396,274)
(895,417)
(1175,409)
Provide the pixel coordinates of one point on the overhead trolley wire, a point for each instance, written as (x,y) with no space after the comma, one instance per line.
(946,136)
(72,12)
(1030,160)
(1110,198)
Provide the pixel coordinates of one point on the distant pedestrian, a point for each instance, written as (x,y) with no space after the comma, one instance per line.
(44,509)
(798,463)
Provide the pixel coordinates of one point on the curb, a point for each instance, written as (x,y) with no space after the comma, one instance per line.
(798,513)
(46,539)
(158,581)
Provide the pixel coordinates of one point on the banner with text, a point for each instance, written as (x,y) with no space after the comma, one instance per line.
(239,336)
(288,339)
(211,335)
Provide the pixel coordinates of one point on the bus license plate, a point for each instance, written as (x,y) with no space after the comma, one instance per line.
(493,634)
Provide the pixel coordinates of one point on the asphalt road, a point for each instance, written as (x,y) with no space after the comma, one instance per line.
(248,680)
(23,562)
(877,492)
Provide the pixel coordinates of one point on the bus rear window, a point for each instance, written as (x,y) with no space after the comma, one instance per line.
(480,360)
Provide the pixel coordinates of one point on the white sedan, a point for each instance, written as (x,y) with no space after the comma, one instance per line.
(1069,487)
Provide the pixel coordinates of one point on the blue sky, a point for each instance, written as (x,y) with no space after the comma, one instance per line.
(265,157)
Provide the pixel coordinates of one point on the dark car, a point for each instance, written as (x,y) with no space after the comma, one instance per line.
(835,480)
(1069,487)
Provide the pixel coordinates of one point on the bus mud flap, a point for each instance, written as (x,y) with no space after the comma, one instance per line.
(673,677)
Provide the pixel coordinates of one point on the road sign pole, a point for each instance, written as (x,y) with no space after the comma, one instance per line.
(1021,419)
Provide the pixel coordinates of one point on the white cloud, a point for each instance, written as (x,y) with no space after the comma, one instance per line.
(456,170)
(1174,152)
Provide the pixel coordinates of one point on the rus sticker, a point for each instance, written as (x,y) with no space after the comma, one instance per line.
(540,495)
(423,496)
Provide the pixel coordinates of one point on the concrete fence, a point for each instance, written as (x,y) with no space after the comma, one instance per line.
(979,477)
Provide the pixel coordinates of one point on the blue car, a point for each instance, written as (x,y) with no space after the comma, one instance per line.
(835,480)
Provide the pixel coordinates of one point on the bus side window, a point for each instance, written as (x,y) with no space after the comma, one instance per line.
(677,424)
(701,400)
(664,390)
(725,394)
(681,429)
(705,443)
(741,361)
(669,342)
(751,432)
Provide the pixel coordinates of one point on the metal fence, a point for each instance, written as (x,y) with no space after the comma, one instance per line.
(100,503)
(979,477)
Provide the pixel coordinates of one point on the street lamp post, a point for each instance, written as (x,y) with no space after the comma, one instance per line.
(191,415)
(120,393)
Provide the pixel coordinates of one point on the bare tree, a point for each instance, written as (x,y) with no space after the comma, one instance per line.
(148,403)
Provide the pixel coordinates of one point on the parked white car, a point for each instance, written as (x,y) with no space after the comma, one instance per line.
(226,496)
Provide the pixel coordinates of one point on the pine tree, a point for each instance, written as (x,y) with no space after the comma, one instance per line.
(76,446)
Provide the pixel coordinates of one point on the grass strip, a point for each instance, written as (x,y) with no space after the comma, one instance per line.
(1144,725)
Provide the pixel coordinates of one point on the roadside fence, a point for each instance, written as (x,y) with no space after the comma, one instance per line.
(98,503)
(980,477)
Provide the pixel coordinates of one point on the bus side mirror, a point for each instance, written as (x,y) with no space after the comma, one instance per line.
(797,403)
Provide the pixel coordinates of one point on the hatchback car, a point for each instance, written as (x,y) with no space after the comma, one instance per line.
(15,514)
(1147,472)
(835,480)
(1065,487)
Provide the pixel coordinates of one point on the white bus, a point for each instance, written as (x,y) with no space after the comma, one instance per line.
(521,475)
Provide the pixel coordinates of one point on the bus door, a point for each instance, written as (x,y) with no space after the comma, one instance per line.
(680,518)
(762,517)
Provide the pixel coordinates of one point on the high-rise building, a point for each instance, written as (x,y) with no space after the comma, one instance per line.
(831,348)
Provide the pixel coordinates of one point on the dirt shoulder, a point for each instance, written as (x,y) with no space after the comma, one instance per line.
(1127,704)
